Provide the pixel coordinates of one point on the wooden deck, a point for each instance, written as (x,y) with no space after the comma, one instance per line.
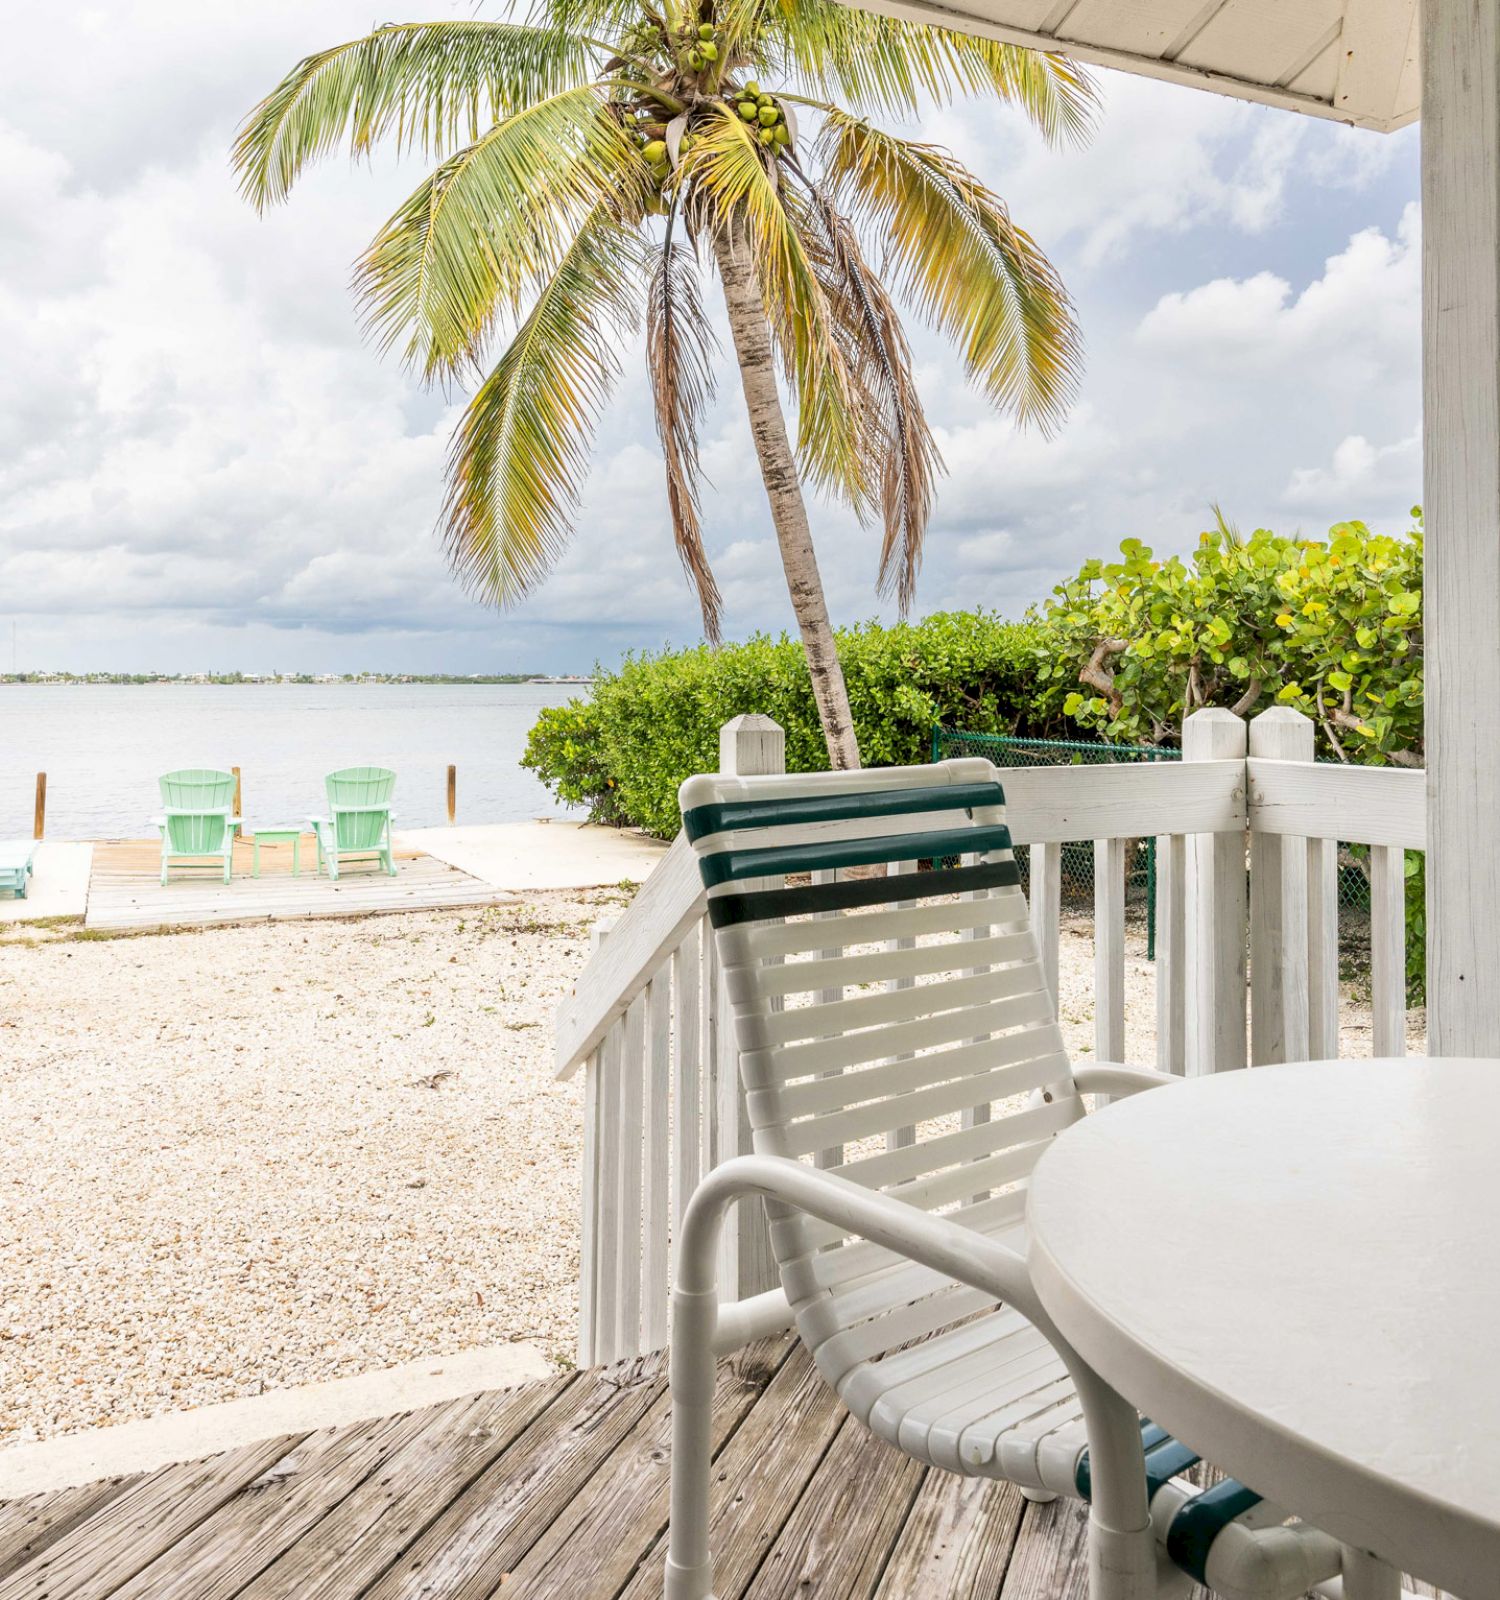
(558,1489)
(555,1490)
(126,893)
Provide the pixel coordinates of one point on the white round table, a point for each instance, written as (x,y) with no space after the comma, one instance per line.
(1296,1271)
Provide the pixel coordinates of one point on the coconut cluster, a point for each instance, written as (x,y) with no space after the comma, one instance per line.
(705,50)
(761,110)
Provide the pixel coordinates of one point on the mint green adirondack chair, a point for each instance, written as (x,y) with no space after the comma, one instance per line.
(358,824)
(198,821)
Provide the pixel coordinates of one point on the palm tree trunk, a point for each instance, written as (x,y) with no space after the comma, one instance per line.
(778,468)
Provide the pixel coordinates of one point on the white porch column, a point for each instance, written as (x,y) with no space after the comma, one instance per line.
(1461,386)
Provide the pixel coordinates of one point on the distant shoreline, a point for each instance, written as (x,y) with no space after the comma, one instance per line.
(282,680)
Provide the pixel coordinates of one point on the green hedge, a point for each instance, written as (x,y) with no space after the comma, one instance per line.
(654,721)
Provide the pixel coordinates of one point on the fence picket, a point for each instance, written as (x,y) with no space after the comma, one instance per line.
(1109,949)
(1322,949)
(628,1233)
(687,1070)
(1171,956)
(656,1218)
(1388,949)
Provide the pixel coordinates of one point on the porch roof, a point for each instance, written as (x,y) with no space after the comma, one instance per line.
(1351,60)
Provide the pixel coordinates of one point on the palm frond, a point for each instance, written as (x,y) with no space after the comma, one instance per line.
(427,84)
(974,274)
(878,64)
(490,224)
(888,408)
(680,350)
(521,450)
(731,184)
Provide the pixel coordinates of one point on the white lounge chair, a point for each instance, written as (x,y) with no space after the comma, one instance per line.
(935,1074)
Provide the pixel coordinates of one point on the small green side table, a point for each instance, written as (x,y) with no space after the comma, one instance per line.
(287,835)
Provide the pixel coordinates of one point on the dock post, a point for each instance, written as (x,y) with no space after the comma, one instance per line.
(239,808)
(452,794)
(40,825)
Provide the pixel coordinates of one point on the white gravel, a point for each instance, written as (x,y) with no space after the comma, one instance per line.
(252,1157)
(247,1158)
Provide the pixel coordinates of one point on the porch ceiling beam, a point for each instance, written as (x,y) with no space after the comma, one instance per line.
(1461,427)
(1375,40)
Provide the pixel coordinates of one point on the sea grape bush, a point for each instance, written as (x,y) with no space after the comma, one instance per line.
(1126,649)
(655,719)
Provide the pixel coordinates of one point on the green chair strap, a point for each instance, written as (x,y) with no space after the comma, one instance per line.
(728,910)
(729,866)
(701,821)
(1201,1520)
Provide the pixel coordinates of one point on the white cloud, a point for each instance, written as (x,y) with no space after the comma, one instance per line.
(1359,321)
(1357,473)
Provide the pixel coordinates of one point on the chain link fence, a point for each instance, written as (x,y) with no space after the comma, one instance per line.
(1140,860)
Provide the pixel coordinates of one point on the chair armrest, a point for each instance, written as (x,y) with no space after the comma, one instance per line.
(1112,1077)
(971,1258)
(1114,1434)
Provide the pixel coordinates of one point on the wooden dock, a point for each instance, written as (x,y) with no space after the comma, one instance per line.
(556,1490)
(126,893)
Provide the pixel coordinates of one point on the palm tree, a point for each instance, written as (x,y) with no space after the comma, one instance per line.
(590,161)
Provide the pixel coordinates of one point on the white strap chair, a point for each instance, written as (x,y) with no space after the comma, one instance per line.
(927,1094)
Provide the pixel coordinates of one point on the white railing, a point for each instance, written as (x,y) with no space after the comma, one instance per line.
(649,1023)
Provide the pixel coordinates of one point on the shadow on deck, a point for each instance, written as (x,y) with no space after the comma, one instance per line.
(558,1489)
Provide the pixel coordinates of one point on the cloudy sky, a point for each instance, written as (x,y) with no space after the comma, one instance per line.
(203,467)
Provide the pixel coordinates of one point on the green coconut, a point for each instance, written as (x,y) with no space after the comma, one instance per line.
(749,110)
(694,60)
(709,51)
(783,133)
(705,30)
(769,116)
(655,152)
(768,136)
(752,88)
(765,100)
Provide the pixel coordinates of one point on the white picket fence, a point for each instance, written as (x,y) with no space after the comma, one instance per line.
(650,1025)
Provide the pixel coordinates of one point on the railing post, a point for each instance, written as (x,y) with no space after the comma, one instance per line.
(39,820)
(1215,913)
(1279,946)
(239,808)
(748,746)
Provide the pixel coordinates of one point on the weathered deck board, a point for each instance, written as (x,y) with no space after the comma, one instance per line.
(354,1544)
(490,1527)
(149,1515)
(28,1527)
(761,1474)
(558,1489)
(123,897)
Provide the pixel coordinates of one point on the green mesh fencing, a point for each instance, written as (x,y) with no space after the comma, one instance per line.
(1077,859)
(1140,861)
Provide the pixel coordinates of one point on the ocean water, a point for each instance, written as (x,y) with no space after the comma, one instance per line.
(103,746)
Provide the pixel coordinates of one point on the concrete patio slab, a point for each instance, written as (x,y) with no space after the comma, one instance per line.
(59,885)
(156,1442)
(540,855)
